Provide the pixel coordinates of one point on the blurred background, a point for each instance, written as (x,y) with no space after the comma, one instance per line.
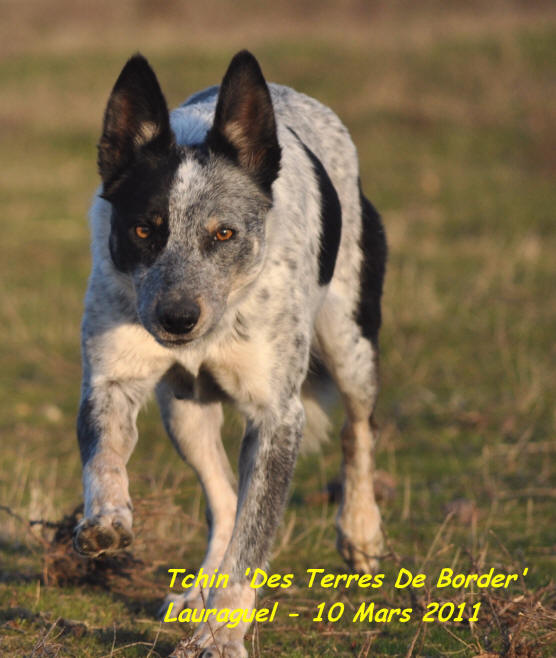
(452,106)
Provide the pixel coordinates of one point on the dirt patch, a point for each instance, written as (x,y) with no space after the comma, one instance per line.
(63,566)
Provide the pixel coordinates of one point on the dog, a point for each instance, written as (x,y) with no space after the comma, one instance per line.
(235,258)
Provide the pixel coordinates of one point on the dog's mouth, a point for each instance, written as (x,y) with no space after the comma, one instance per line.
(169,340)
(172,341)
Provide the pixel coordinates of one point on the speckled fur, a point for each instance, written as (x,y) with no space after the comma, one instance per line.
(263,313)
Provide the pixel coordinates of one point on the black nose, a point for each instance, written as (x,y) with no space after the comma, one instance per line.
(177,318)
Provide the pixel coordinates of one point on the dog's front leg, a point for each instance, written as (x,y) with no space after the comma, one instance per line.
(267,461)
(107,434)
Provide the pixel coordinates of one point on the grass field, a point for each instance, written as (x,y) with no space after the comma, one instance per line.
(453,109)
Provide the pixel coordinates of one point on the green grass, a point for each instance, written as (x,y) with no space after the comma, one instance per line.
(455,131)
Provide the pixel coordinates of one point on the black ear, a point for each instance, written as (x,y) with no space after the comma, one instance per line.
(244,125)
(136,118)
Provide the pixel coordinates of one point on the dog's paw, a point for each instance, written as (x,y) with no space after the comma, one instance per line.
(229,650)
(360,543)
(362,557)
(215,641)
(101,534)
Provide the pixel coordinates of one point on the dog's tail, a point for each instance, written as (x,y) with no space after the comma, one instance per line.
(319,395)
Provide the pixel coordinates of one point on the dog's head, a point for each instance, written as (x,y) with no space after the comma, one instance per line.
(188,222)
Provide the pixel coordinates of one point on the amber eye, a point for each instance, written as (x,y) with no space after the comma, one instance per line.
(142,232)
(223,234)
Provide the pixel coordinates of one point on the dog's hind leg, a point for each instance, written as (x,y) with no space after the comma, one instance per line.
(194,428)
(352,360)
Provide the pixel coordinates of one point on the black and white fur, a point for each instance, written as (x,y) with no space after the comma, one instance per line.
(232,247)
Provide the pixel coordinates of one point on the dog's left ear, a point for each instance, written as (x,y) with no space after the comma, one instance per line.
(244,125)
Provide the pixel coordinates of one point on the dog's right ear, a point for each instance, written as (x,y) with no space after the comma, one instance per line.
(136,120)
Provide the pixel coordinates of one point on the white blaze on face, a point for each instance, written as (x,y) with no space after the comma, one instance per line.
(184,192)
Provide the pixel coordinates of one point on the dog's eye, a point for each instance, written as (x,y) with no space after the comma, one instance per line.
(142,231)
(223,234)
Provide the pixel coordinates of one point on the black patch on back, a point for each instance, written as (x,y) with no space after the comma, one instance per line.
(330,218)
(374,251)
